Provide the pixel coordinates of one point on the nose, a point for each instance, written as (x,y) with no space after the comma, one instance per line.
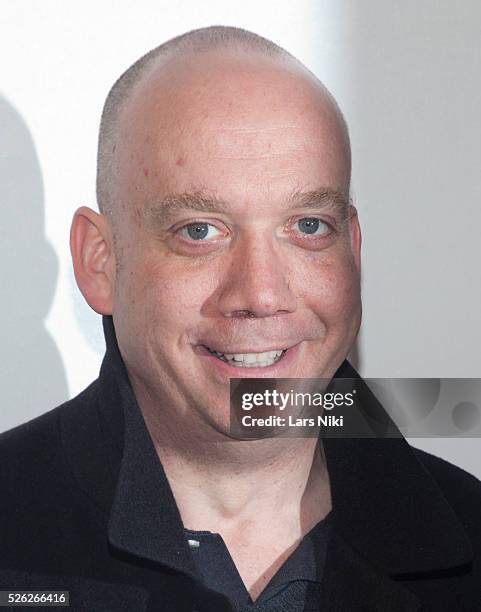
(256,282)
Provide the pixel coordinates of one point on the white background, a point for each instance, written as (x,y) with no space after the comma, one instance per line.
(406,74)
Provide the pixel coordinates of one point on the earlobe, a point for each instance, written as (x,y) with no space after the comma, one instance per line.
(93,258)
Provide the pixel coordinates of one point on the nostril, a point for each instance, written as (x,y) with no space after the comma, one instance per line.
(245,314)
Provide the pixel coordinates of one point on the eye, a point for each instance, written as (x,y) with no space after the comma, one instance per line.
(199,231)
(312,226)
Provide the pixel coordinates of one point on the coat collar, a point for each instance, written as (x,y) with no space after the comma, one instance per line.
(389,516)
(387,504)
(144,518)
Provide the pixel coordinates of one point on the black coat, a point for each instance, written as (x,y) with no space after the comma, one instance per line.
(78,515)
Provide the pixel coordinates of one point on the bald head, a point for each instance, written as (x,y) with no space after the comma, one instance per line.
(161,74)
(224,169)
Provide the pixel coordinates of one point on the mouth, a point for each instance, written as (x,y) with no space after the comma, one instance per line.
(249,360)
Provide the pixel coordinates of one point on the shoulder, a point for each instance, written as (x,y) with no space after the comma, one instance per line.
(32,454)
(40,433)
(453,479)
(41,500)
(461,489)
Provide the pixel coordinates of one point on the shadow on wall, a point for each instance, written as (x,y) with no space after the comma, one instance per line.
(32,375)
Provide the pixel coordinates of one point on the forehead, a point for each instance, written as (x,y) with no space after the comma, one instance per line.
(223,122)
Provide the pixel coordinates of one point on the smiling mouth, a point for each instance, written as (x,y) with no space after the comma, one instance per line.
(249,360)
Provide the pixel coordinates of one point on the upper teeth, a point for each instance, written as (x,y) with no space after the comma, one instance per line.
(251,359)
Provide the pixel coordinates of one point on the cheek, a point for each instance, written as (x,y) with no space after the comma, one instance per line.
(331,288)
(165,297)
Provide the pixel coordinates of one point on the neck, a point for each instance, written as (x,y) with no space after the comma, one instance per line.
(223,484)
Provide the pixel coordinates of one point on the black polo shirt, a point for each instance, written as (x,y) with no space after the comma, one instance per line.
(145,506)
(297,581)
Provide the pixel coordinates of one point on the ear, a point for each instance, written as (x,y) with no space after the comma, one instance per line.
(356,238)
(91,245)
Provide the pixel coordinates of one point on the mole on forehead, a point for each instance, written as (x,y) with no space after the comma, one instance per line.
(322,199)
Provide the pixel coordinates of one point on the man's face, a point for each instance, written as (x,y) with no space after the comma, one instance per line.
(225,240)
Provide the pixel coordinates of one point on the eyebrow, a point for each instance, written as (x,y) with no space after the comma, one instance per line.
(321,199)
